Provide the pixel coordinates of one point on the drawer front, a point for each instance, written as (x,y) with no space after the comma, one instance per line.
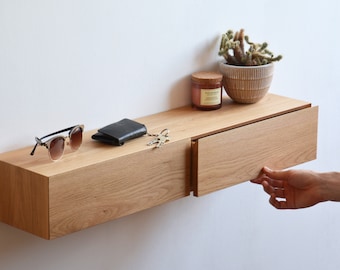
(237,155)
(119,187)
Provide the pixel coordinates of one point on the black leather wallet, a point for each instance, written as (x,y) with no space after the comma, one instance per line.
(120,132)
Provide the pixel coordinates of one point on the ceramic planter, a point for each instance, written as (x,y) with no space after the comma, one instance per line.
(246,84)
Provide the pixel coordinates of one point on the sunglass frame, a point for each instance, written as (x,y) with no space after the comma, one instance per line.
(47,144)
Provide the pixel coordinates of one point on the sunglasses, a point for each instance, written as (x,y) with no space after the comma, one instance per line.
(56,145)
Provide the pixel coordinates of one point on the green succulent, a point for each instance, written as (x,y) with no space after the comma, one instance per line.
(233,51)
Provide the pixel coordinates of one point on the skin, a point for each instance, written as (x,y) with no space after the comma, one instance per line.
(295,189)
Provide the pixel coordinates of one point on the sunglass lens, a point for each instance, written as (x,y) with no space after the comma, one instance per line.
(76,138)
(56,148)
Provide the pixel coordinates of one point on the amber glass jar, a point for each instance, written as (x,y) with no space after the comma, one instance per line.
(206,90)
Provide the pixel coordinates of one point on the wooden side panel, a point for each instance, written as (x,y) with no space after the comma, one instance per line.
(237,155)
(24,200)
(119,187)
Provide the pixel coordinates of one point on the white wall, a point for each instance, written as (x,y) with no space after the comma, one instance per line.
(96,61)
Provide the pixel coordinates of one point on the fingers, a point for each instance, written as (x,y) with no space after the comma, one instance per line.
(273,185)
(259,179)
(275,178)
(276,174)
(272,182)
(276,203)
(268,188)
(277,191)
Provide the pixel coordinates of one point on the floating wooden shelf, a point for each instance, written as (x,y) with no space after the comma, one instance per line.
(208,151)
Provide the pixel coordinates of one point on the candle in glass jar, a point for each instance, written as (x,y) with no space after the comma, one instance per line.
(206,90)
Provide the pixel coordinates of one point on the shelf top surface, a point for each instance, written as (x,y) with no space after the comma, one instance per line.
(185,123)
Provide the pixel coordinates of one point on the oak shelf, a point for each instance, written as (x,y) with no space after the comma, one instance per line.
(207,151)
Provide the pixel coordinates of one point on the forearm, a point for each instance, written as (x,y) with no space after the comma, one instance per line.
(330,186)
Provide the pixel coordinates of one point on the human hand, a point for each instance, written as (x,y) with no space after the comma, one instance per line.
(291,189)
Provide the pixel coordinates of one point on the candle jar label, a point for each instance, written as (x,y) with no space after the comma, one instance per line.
(210,96)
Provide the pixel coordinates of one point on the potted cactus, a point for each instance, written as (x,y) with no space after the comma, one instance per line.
(247,74)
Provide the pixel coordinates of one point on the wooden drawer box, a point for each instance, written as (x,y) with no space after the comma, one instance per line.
(96,184)
(207,151)
(237,155)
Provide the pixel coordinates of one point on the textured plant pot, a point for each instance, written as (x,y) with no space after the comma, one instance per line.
(246,84)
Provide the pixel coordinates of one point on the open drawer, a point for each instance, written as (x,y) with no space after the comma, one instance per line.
(237,155)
